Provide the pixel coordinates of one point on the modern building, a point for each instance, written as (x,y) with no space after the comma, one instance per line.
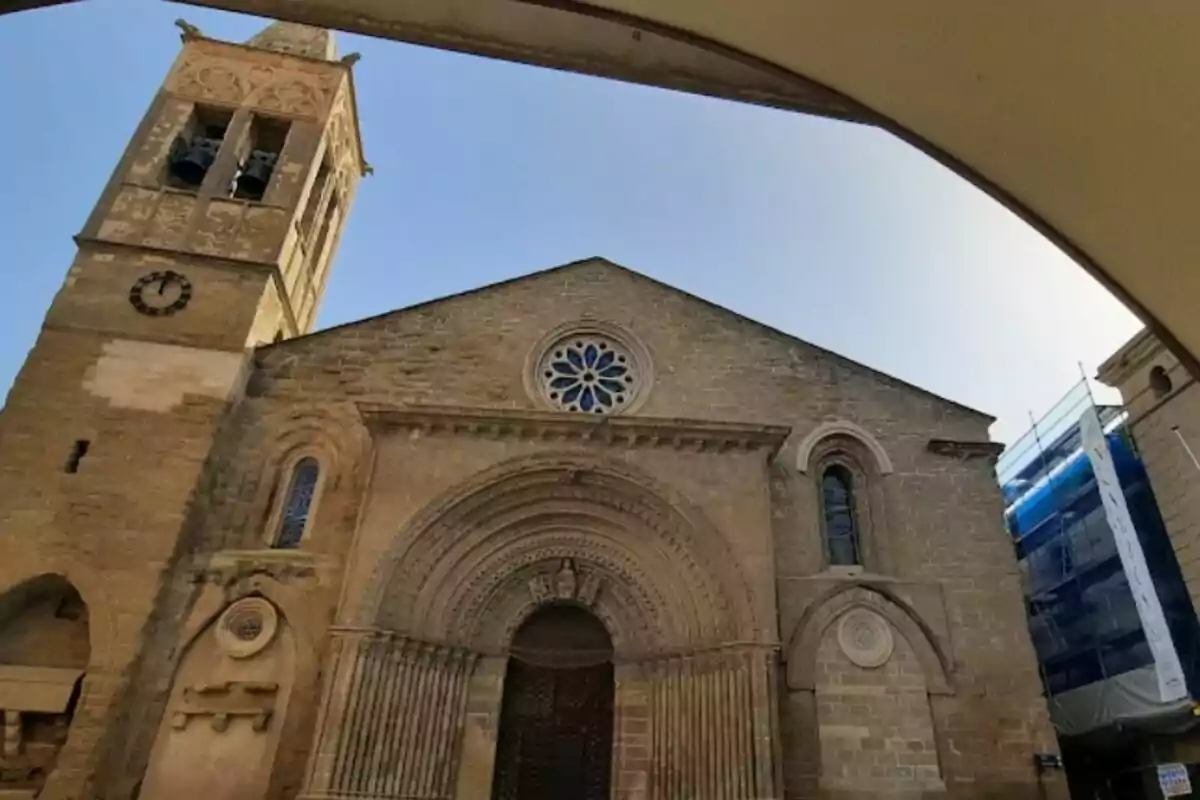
(577,534)
(1112,621)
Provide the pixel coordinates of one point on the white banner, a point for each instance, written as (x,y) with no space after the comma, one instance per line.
(1173,780)
(1171,682)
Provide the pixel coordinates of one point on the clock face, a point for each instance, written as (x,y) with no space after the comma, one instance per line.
(160,293)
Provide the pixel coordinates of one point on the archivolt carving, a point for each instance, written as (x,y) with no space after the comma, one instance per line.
(802,649)
(841,427)
(634,607)
(460,572)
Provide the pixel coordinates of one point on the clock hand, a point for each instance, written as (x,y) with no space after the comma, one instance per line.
(162,285)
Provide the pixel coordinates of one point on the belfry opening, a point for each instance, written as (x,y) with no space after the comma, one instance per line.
(556,721)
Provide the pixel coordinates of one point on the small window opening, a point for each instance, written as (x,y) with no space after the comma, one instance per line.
(267,137)
(78,451)
(318,254)
(841,530)
(195,150)
(1160,382)
(309,217)
(297,504)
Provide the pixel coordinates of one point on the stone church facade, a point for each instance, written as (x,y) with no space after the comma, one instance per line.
(576,534)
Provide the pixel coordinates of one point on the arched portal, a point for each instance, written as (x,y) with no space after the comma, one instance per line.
(556,719)
(491,595)
(44,651)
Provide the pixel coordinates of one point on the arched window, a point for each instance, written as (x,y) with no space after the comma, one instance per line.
(837,504)
(297,504)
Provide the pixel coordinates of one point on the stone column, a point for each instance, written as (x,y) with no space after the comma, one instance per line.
(477,759)
(632,709)
(391,719)
(12,733)
(340,671)
(713,732)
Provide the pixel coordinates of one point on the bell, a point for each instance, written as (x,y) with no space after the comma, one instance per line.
(190,161)
(256,174)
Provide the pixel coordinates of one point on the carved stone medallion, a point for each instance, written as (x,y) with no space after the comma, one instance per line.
(866,638)
(247,627)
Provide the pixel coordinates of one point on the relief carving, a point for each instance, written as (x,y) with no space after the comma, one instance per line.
(343,143)
(638,591)
(223,702)
(564,581)
(233,569)
(291,96)
(208,81)
(865,638)
(539,588)
(565,585)
(589,589)
(247,627)
(268,87)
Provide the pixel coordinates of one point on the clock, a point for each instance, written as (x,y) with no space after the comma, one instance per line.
(159,294)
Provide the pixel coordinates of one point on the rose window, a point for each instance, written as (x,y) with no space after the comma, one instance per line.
(590,374)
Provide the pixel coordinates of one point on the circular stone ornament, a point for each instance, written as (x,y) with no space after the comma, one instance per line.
(247,627)
(866,638)
(589,369)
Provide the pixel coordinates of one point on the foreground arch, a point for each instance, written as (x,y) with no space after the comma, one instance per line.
(45,652)
(1076,115)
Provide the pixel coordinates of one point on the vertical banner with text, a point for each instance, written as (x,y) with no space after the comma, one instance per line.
(1171,682)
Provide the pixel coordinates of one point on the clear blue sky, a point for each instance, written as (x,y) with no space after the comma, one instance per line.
(833,232)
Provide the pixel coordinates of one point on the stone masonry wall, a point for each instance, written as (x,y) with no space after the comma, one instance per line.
(943,517)
(874,724)
(1165,423)
(1174,476)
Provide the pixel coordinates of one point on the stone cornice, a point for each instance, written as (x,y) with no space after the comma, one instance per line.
(1127,360)
(679,434)
(227,567)
(966,451)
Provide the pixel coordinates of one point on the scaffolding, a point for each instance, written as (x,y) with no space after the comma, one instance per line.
(1097,668)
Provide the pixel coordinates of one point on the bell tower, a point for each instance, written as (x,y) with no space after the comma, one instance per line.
(241,171)
(214,235)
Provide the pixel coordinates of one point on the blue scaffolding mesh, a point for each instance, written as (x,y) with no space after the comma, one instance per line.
(1082,616)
